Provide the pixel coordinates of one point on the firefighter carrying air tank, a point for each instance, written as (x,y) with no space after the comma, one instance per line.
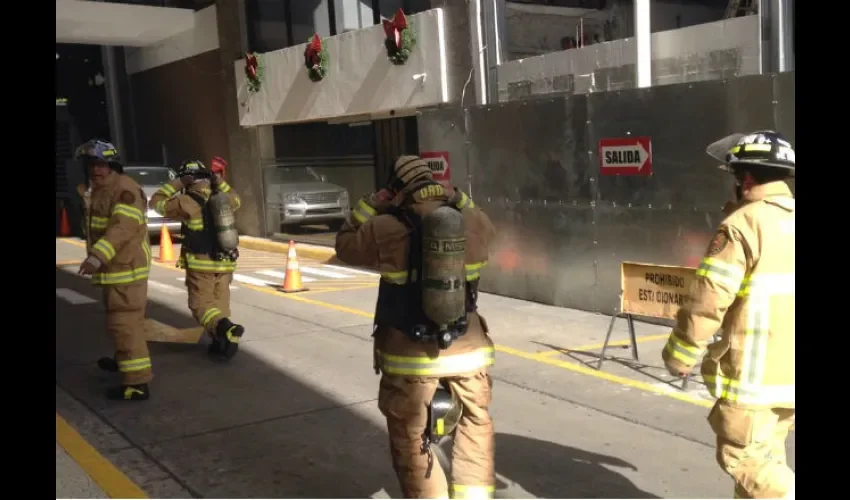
(204,203)
(431,345)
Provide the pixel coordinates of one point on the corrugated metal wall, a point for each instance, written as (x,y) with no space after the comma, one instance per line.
(562,229)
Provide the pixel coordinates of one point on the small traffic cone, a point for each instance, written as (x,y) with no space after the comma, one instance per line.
(64,225)
(166,249)
(292,280)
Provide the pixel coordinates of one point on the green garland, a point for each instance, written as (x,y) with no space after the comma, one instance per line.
(319,72)
(255,84)
(408,41)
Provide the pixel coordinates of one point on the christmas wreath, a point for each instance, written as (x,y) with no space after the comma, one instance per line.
(316,59)
(254,71)
(400,38)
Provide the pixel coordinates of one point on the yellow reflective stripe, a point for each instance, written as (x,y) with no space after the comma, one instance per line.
(122,277)
(146,248)
(473,271)
(191,262)
(751,147)
(105,248)
(230,337)
(129,211)
(237,202)
(733,390)
(395,277)
(721,272)
(472,492)
(210,315)
(442,365)
(134,365)
(465,202)
(771,284)
(168,190)
(362,212)
(99,222)
(195,224)
(223,187)
(160,207)
(682,351)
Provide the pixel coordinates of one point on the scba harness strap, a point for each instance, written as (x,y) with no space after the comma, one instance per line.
(206,241)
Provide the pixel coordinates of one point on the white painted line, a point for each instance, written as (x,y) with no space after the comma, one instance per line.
(173,290)
(326,274)
(252,281)
(280,275)
(74,298)
(351,270)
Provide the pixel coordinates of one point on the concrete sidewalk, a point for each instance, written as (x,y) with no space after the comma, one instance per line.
(72,481)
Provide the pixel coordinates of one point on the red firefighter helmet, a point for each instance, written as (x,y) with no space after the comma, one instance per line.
(218,165)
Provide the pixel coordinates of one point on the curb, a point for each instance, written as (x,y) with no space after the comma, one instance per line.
(310,252)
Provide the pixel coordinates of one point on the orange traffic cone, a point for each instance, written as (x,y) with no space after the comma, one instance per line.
(64,225)
(166,250)
(292,280)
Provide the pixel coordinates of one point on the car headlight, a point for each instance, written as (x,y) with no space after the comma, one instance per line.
(291,198)
(343,199)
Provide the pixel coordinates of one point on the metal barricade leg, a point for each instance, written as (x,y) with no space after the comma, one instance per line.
(607,338)
(632,336)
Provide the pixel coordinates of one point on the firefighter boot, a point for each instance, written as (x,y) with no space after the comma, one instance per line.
(227,336)
(107,364)
(128,393)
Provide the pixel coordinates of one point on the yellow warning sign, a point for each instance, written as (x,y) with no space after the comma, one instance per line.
(653,290)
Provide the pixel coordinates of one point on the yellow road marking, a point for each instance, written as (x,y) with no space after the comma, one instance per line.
(537,357)
(340,289)
(111,480)
(646,338)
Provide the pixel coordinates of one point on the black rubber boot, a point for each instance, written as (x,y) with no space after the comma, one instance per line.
(227,337)
(138,392)
(107,365)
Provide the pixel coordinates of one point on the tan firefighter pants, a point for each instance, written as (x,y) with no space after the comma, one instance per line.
(209,297)
(751,448)
(125,323)
(404,402)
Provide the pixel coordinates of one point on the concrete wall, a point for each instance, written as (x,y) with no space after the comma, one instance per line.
(360,81)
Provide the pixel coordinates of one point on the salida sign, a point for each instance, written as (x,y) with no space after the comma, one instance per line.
(625,156)
(438,162)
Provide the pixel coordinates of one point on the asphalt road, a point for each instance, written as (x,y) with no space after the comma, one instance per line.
(295,413)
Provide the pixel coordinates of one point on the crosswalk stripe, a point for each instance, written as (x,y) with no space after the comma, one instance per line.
(280,275)
(350,270)
(74,298)
(252,281)
(327,274)
(173,290)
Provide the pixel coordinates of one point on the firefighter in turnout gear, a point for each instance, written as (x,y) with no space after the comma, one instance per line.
(745,288)
(414,350)
(206,253)
(119,260)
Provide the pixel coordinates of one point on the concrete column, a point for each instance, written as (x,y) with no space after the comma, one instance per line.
(495,22)
(643,34)
(777,32)
(248,146)
(113,97)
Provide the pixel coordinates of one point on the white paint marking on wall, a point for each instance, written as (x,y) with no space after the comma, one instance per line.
(280,275)
(252,281)
(326,274)
(74,298)
(350,270)
(169,289)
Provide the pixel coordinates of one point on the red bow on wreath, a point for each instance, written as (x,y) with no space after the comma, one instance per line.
(394,28)
(311,53)
(251,65)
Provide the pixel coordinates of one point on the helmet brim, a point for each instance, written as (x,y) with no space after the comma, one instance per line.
(719,149)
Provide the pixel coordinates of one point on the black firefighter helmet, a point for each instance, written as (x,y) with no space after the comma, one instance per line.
(761,149)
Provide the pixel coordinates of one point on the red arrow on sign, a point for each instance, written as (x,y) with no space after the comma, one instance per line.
(625,156)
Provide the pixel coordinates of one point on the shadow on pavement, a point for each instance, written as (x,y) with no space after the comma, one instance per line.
(249,429)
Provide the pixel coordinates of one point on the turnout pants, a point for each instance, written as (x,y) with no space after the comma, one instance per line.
(209,297)
(404,402)
(125,323)
(751,448)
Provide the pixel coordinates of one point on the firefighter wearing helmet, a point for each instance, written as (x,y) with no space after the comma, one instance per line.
(745,288)
(204,203)
(429,243)
(119,261)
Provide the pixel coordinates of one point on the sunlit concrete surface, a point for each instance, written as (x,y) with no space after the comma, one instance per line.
(72,481)
(295,414)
